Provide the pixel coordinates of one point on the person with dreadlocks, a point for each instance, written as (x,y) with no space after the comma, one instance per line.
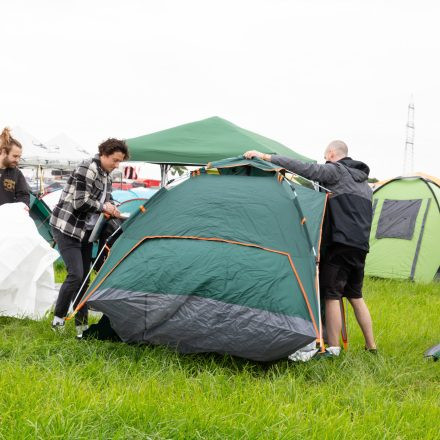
(13,185)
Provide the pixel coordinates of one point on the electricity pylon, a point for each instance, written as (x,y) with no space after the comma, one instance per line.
(408,162)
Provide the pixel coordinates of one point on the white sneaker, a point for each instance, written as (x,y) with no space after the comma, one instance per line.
(58,324)
(335,351)
(79,330)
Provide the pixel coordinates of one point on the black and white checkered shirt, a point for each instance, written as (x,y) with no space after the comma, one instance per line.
(80,197)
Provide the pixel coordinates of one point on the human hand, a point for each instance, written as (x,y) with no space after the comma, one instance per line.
(253,153)
(117,213)
(109,209)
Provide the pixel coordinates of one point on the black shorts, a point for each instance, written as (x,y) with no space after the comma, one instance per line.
(342,272)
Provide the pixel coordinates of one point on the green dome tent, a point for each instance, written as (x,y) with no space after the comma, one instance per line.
(405,233)
(219,263)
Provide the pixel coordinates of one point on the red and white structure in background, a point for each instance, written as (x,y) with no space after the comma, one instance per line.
(131,174)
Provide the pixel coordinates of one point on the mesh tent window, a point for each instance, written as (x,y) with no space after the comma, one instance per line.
(398,218)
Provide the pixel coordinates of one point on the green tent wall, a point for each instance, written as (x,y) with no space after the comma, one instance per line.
(223,263)
(405,233)
(40,214)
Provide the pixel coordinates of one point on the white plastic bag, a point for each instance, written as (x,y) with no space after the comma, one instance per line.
(304,354)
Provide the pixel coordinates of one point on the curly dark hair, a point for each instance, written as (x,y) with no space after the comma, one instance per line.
(113,145)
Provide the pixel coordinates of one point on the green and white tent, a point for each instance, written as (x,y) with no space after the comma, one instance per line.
(405,234)
(219,263)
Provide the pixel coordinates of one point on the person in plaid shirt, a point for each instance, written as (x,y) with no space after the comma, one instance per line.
(85,196)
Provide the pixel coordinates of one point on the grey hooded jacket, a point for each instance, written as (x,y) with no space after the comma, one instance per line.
(349,212)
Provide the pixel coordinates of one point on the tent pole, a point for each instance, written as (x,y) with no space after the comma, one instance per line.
(164,168)
(42,181)
(316,185)
(303,218)
(38,182)
(85,281)
(307,233)
(88,275)
(318,298)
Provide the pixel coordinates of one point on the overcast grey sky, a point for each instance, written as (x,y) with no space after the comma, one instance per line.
(301,72)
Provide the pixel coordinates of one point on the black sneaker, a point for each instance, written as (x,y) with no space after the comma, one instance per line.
(325,355)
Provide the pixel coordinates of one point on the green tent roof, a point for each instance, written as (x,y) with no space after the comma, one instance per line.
(200,142)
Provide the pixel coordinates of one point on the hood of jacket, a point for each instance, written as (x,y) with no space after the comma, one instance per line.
(358,170)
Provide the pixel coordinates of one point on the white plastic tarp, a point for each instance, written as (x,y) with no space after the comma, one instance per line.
(52,198)
(27,287)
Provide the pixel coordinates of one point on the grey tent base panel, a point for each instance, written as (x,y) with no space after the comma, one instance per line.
(193,324)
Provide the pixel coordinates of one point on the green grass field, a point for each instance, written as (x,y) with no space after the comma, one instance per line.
(54,387)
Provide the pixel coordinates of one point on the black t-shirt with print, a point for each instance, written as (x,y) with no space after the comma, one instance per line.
(13,186)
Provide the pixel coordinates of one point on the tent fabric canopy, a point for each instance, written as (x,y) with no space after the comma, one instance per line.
(60,153)
(405,230)
(200,142)
(414,175)
(40,213)
(239,165)
(232,270)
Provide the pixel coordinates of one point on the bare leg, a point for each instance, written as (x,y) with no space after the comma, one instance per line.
(364,320)
(333,321)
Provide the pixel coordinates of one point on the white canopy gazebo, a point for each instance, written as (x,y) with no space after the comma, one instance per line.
(60,152)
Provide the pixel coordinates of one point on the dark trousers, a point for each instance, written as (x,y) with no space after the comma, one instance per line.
(77,256)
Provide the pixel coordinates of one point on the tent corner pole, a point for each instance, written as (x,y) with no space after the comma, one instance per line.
(164,168)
